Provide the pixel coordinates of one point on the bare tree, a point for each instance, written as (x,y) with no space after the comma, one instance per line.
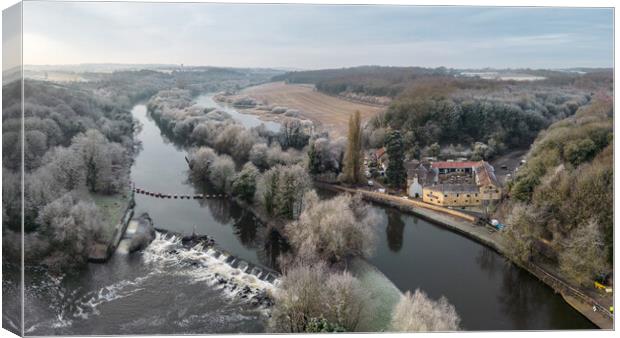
(200,161)
(332,230)
(416,312)
(71,227)
(222,172)
(98,155)
(313,292)
(258,155)
(66,166)
(583,257)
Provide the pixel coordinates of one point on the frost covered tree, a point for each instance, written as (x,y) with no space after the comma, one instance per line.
(200,162)
(244,184)
(332,230)
(66,166)
(293,134)
(222,172)
(99,157)
(416,312)
(583,256)
(71,227)
(311,294)
(281,190)
(258,155)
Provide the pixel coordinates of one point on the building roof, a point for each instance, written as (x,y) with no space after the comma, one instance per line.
(485,175)
(459,188)
(421,170)
(451,165)
(380,152)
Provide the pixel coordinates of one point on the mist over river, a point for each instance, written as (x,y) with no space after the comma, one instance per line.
(155,291)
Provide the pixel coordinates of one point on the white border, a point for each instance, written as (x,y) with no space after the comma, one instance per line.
(521,3)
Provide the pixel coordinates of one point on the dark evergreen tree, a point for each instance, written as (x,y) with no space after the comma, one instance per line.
(395,173)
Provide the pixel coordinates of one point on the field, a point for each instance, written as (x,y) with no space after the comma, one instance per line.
(330,112)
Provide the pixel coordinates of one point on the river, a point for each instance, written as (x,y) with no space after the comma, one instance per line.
(155,292)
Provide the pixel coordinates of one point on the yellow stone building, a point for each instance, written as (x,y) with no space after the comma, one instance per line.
(461,195)
(485,189)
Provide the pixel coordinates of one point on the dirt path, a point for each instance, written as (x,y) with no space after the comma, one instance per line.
(330,112)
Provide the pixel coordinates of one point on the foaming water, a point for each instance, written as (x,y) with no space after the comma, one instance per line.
(212,266)
(166,288)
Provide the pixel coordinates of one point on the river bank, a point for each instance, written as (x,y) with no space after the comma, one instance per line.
(132,293)
(577,299)
(101,252)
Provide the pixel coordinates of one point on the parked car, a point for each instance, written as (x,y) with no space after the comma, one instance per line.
(381,190)
(371,183)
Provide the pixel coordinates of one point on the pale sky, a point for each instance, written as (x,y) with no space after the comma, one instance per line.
(316,36)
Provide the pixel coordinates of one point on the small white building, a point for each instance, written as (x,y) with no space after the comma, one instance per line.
(418,175)
(414,188)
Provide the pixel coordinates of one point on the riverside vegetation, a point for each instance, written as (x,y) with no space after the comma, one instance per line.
(79,145)
(274,178)
(562,199)
(559,206)
(78,150)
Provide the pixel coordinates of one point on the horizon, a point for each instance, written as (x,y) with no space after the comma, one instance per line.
(297,69)
(310,37)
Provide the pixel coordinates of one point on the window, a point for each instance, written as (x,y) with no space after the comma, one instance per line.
(467,195)
(477,201)
(445,196)
(457,195)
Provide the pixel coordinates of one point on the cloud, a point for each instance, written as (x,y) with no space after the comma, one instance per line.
(314,36)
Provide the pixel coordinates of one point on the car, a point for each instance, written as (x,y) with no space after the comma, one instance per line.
(371,183)
(381,190)
(405,197)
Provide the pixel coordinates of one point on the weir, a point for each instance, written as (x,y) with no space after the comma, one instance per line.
(198,257)
(177,196)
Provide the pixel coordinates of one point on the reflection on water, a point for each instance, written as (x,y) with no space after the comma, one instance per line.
(157,291)
(394,229)
(161,167)
(489,292)
(247,120)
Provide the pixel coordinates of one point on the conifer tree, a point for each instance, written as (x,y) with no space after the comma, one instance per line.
(353,155)
(395,172)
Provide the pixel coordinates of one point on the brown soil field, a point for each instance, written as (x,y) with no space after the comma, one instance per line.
(330,112)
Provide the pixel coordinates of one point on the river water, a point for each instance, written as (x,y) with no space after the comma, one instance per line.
(156,292)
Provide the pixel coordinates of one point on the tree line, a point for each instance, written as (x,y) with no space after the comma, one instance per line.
(561,201)
(76,144)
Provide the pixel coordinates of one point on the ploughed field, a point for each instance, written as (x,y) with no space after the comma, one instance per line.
(330,112)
